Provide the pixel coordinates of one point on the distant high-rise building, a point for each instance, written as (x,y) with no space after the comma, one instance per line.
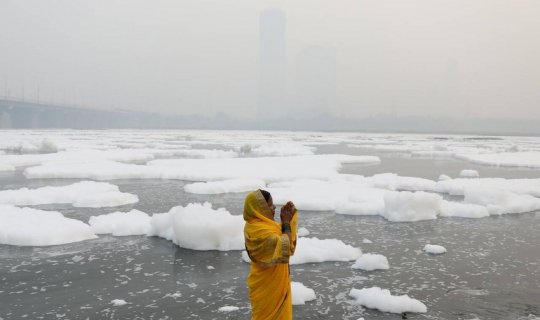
(272,76)
(315,82)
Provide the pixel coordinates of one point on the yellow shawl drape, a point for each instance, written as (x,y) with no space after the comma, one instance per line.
(268,281)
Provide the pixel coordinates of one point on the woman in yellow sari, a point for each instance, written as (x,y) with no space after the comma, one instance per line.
(269,245)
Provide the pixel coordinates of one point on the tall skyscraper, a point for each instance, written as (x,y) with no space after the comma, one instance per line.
(272,76)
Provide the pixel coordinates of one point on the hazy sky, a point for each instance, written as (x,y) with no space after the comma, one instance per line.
(436,58)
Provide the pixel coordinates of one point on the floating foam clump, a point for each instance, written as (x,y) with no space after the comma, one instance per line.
(499,201)
(118,302)
(409,206)
(519,186)
(281,149)
(6,167)
(311,250)
(469,174)
(206,154)
(464,210)
(302,232)
(383,300)
(444,177)
(225,186)
(228,309)
(130,223)
(392,181)
(301,293)
(369,262)
(31,227)
(199,227)
(505,159)
(275,169)
(86,156)
(81,194)
(434,249)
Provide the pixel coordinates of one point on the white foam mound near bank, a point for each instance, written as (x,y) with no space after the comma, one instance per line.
(314,250)
(224,186)
(130,223)
(199,227)
(301,293)
(81,194)
(268,169)
(31,227)
(383,300)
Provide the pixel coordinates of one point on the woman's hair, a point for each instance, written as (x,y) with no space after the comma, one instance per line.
(266,195)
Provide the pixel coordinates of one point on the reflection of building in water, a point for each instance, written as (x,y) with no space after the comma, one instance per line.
(315,82)
(272,79)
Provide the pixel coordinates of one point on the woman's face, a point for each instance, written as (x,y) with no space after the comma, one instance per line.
(271,205)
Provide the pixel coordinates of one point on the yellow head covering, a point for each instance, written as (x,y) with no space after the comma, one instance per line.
(265,243)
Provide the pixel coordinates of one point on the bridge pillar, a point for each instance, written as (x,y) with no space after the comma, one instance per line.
(5,120)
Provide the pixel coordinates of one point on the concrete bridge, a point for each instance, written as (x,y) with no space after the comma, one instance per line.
(29,115)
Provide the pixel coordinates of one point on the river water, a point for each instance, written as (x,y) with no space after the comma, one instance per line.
(491,269)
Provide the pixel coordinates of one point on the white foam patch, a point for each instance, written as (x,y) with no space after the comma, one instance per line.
(370,262)
(118,302)
(505,159)
(281,149)
(31,227)
(519,186)
(225,186)
(301,294)
(392,181)
(313,250)
(383,300)
(81,194)
(275,169)
(444,177)
(85,156)
(206,153)
(434,249)
(349,195)
(463,210)
(45,145)
(302,232)
(130,223)
(228,309)
(200,227)
(6,167)
(340,194)
(467,173)
(409,206)
(310,250)
(499,201)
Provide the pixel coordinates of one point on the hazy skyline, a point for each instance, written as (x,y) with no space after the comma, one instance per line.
(413,58)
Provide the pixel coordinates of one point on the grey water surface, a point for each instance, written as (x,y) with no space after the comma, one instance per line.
(491,269)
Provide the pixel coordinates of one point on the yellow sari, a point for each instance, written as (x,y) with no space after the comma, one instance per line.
(268,281)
